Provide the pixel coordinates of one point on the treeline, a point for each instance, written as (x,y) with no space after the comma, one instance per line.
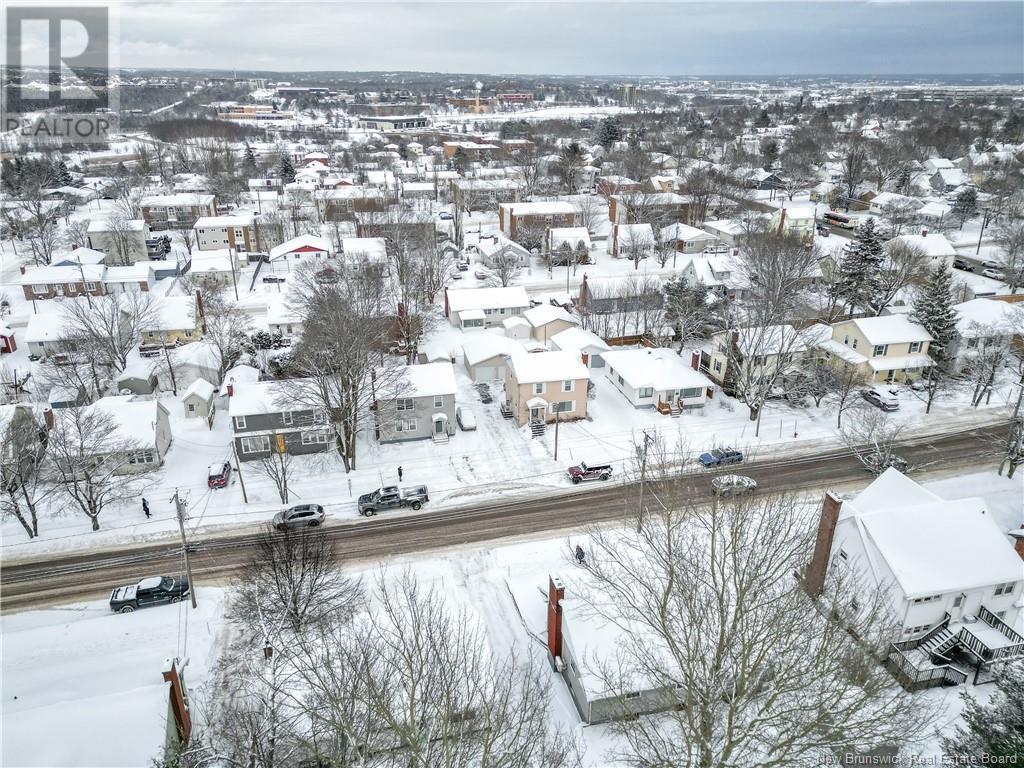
(179,129)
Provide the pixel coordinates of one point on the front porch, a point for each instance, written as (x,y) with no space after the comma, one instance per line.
(946,653)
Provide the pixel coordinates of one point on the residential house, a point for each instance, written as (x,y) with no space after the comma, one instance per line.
(134,278)
(198,400)
(362,253)
(543,386)
(945,180)
(216,269)
(485,355)
(631,241)
(661,208)
(41,283)
(179,211)
(884,202)
(79,257)
(546,320)
(141,433)
(49,337)
(529,221)
(342,203)
(419,403)
(729,231)
(566,245)
(935,247)
(416,227)
(469,308)
(139,376)
(949,579)
(238,231)
(484,194)
(498,249)
(15,419)
(687,239)
(632,293)
(588,345)
(123,242)
(887,348)
(176,320)
(616,185)
(299,249)
(267,418)
(721,273)
(283,318)
(795,222)
(658,378)
(750,354)
(984,326)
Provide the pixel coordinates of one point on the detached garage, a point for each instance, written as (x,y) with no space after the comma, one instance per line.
(485,356)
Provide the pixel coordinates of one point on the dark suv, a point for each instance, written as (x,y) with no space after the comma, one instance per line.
(590,471)
(153,590)
(720,457)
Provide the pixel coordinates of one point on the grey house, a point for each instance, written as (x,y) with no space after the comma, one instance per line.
(415,402)
(265,419)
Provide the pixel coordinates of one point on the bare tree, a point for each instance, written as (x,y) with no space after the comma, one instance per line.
(279,468)
(872,436)
(854,162)
(87,456)
(23,449)
(904,265)
(592,212)
(710,615)
(988,350)
(504,266)
(124,240)
(110,325)
(1012,449)
(226,330)
(1010,238)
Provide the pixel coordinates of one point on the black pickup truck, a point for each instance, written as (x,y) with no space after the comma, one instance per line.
(153,590)
(392,497)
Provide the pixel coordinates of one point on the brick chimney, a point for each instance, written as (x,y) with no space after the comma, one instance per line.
(447,309)
(924,232)
(22,268)
(556,592)
(48,417)
(695,360)
(1018,541)
(179,708)
(231,388)
(814,577)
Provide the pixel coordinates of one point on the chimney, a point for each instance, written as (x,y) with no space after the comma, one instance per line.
(22,269)
(1018,541)
(782,221)
(695,360)
(556,592)
(231,388)
(924,232)
(199,309)
(48,417)
(814,577)
(179,708)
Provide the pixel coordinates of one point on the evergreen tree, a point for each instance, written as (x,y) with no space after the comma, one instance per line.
(995,729)
(608,132)
(249,161)
(934,310)
(861,266)
(763,119)
(63,174)
(966,205)
(286,171)
(769,153)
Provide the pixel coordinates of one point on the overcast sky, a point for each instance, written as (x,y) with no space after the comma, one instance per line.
(677,38)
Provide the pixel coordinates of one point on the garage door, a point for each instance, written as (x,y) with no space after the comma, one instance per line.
(485,373)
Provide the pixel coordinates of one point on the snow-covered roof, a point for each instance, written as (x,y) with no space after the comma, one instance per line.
(901,362)
(541,208)
(255,398)
(685,233)
(134,418)
(578,340)
(139,272)
(90,273)
(47,326)
(483,346)
(933,244)
(365,248)
(657,368)
(237,220)
(427,380)
(511,297)
(200,388)
(80,256)
(890,329)
(983,317)
(726,226)
(932,546)
(770,340)
(103,225)
(547,366)
(301,243)
(572,236)
(182,199)
(173,313)
(543,314)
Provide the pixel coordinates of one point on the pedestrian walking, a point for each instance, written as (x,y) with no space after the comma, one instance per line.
(145,508)
(580,556)
(399,473)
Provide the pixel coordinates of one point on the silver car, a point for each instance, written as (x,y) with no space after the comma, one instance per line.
(299,516)
(733,485)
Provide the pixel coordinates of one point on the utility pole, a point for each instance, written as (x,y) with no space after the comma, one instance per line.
(558,413)
(643,481)
(234,278)
(179,507)
(238,468)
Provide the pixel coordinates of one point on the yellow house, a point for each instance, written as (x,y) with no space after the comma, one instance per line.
(176,320)
(758,353)
(889,348)
(540,384)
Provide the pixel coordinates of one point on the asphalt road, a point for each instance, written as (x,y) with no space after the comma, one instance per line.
(93,574)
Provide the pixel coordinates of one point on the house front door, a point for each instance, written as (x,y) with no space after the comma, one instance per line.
(536,414)
(439,426)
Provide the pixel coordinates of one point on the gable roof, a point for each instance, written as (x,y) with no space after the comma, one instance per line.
(657,368)
(511,297)
(890,329)
(534,367)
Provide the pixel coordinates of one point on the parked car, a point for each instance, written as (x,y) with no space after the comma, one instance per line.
(824,231)
(481,274)
(153,590)
(463,266)
(995,274)
(455,275)
(966,266)
(719,248)
(273,279)
(881,398)
(445,216)
(299,516)
(720,457)
(218,474)
(392,497)
(878,462)
(733,485)
(590,470)
(989,264)
(465,418)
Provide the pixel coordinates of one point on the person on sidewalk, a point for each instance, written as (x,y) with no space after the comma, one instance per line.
(399,473)
(145,508)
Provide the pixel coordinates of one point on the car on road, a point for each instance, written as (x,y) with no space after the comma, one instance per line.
(218,474)
(989,264)
(966,266)
(153,590)
(273,279)
(445,216)
(299,516)
(463,266)
(718,457)
(995,274)
(481,274)
(733,485)
(824,231)
(455,275)
(465,418)
(590,470)
(881,398)
(392,497)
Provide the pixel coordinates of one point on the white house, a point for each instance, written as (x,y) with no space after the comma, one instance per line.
(631,241)
(362,252)
(687,239)
(933,245)
(587,344)
(485,355)
(657,378)
(484,307)
(303,247)
(143,425)
(984,324)
(546,320)
(947,574)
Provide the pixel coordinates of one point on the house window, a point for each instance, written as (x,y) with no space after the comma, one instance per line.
(567,385)
(319,416)
(538,388)
(631,695)
(759,360)
(972,343)
(718,366)
(563,406)
(315,438)
(880,350)
(256,444)
(90,286)
(958,601)
(915,346)
(239,422)
(286,418)
(404,404)
(405,425)
(141,457)
(40,289)
(646,392)
(1005,589)
(621,380)
(854,343)
(843,555)
(686,394)
(928,599)
(439,401)
(846,339)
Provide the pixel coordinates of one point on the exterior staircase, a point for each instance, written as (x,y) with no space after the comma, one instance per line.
(538,428)
(938,642)
(676,411)
(441,438)
(506,410)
